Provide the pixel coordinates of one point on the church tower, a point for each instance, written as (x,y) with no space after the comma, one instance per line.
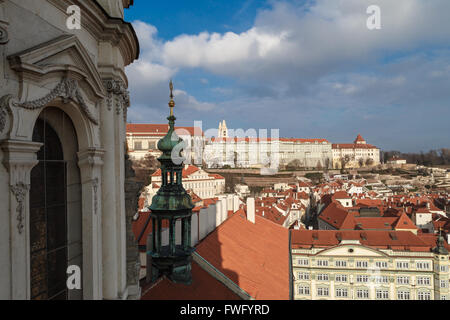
(171,204)
(223,130)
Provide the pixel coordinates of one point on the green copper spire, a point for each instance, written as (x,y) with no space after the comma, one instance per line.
(171,204)
(171,139)
(441,249)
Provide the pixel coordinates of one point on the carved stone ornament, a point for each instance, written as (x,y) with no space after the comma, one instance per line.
(67,89)
(4,37)
(95,188)
(3,115)
(122,96)
(20,191)
(5,102)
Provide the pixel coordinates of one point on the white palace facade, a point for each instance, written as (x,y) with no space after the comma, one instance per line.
(249,151)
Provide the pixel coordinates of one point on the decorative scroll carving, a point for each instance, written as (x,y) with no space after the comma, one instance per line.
(95,187)
(20,191)
(3,115)
(67,89)
(4,110)
(4,37)
(122,96)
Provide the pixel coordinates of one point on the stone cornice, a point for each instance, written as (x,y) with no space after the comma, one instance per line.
(25,63)
(104,27)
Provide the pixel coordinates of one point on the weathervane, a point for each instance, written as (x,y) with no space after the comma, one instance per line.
(171,103)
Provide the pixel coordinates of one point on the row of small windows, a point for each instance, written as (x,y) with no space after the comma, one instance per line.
(405,280)
(382,294)
(421,265)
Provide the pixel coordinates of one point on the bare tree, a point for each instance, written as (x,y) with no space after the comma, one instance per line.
(294,165)
(344,161)
(369,162)
(145,167)
(361,162)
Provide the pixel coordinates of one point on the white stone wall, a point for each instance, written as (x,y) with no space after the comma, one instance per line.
(254,154)
(80,73)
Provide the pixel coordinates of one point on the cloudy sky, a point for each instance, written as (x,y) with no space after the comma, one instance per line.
(309,68)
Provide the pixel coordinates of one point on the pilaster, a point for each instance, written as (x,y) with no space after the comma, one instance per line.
(90,162)
(19,159)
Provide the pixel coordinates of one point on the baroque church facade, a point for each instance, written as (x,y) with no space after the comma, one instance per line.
(63,111)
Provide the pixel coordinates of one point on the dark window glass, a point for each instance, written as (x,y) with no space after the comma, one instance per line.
(48,218)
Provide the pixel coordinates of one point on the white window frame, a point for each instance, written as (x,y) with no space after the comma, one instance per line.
(381,264)
(304,290)
(423,265)
(423,281)
(381,279)
(303,276)
(323,277)
(322,263)
(402,265)
(303,262)
(403,295)
(323,292)
(403,280)
(362,293)
(341,263)
(362,278)
(362,264)
(424,295)
(382,294)
(342,292)
(341,278)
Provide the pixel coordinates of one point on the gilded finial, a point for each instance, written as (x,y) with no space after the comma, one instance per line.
(172,102)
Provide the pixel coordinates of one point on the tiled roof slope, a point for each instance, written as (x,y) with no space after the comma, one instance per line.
(253,256)
(395,240)
(203,287)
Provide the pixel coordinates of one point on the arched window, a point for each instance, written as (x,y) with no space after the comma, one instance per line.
(48,217)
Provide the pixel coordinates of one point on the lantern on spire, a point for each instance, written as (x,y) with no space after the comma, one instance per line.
(171,205)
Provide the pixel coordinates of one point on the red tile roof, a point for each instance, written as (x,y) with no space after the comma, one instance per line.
(369,202)
(203,287)
(186,172)
(404,222)
(334,214)
(216,176)
(254,256)
(359,139)
(156,129)
(400,240)
(341,195)
(352,146)
(253,139)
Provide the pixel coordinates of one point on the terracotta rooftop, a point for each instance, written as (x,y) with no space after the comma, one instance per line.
(254,256)
(203,287)
(396,240)
(186,172)
(157,129)
(352,146)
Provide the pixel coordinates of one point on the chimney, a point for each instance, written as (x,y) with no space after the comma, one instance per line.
(251,210)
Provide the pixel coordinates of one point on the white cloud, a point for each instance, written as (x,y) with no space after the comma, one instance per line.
(188,101)
(299,62)
(325,33)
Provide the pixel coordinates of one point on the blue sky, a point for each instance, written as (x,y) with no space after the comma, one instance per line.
(309,68)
